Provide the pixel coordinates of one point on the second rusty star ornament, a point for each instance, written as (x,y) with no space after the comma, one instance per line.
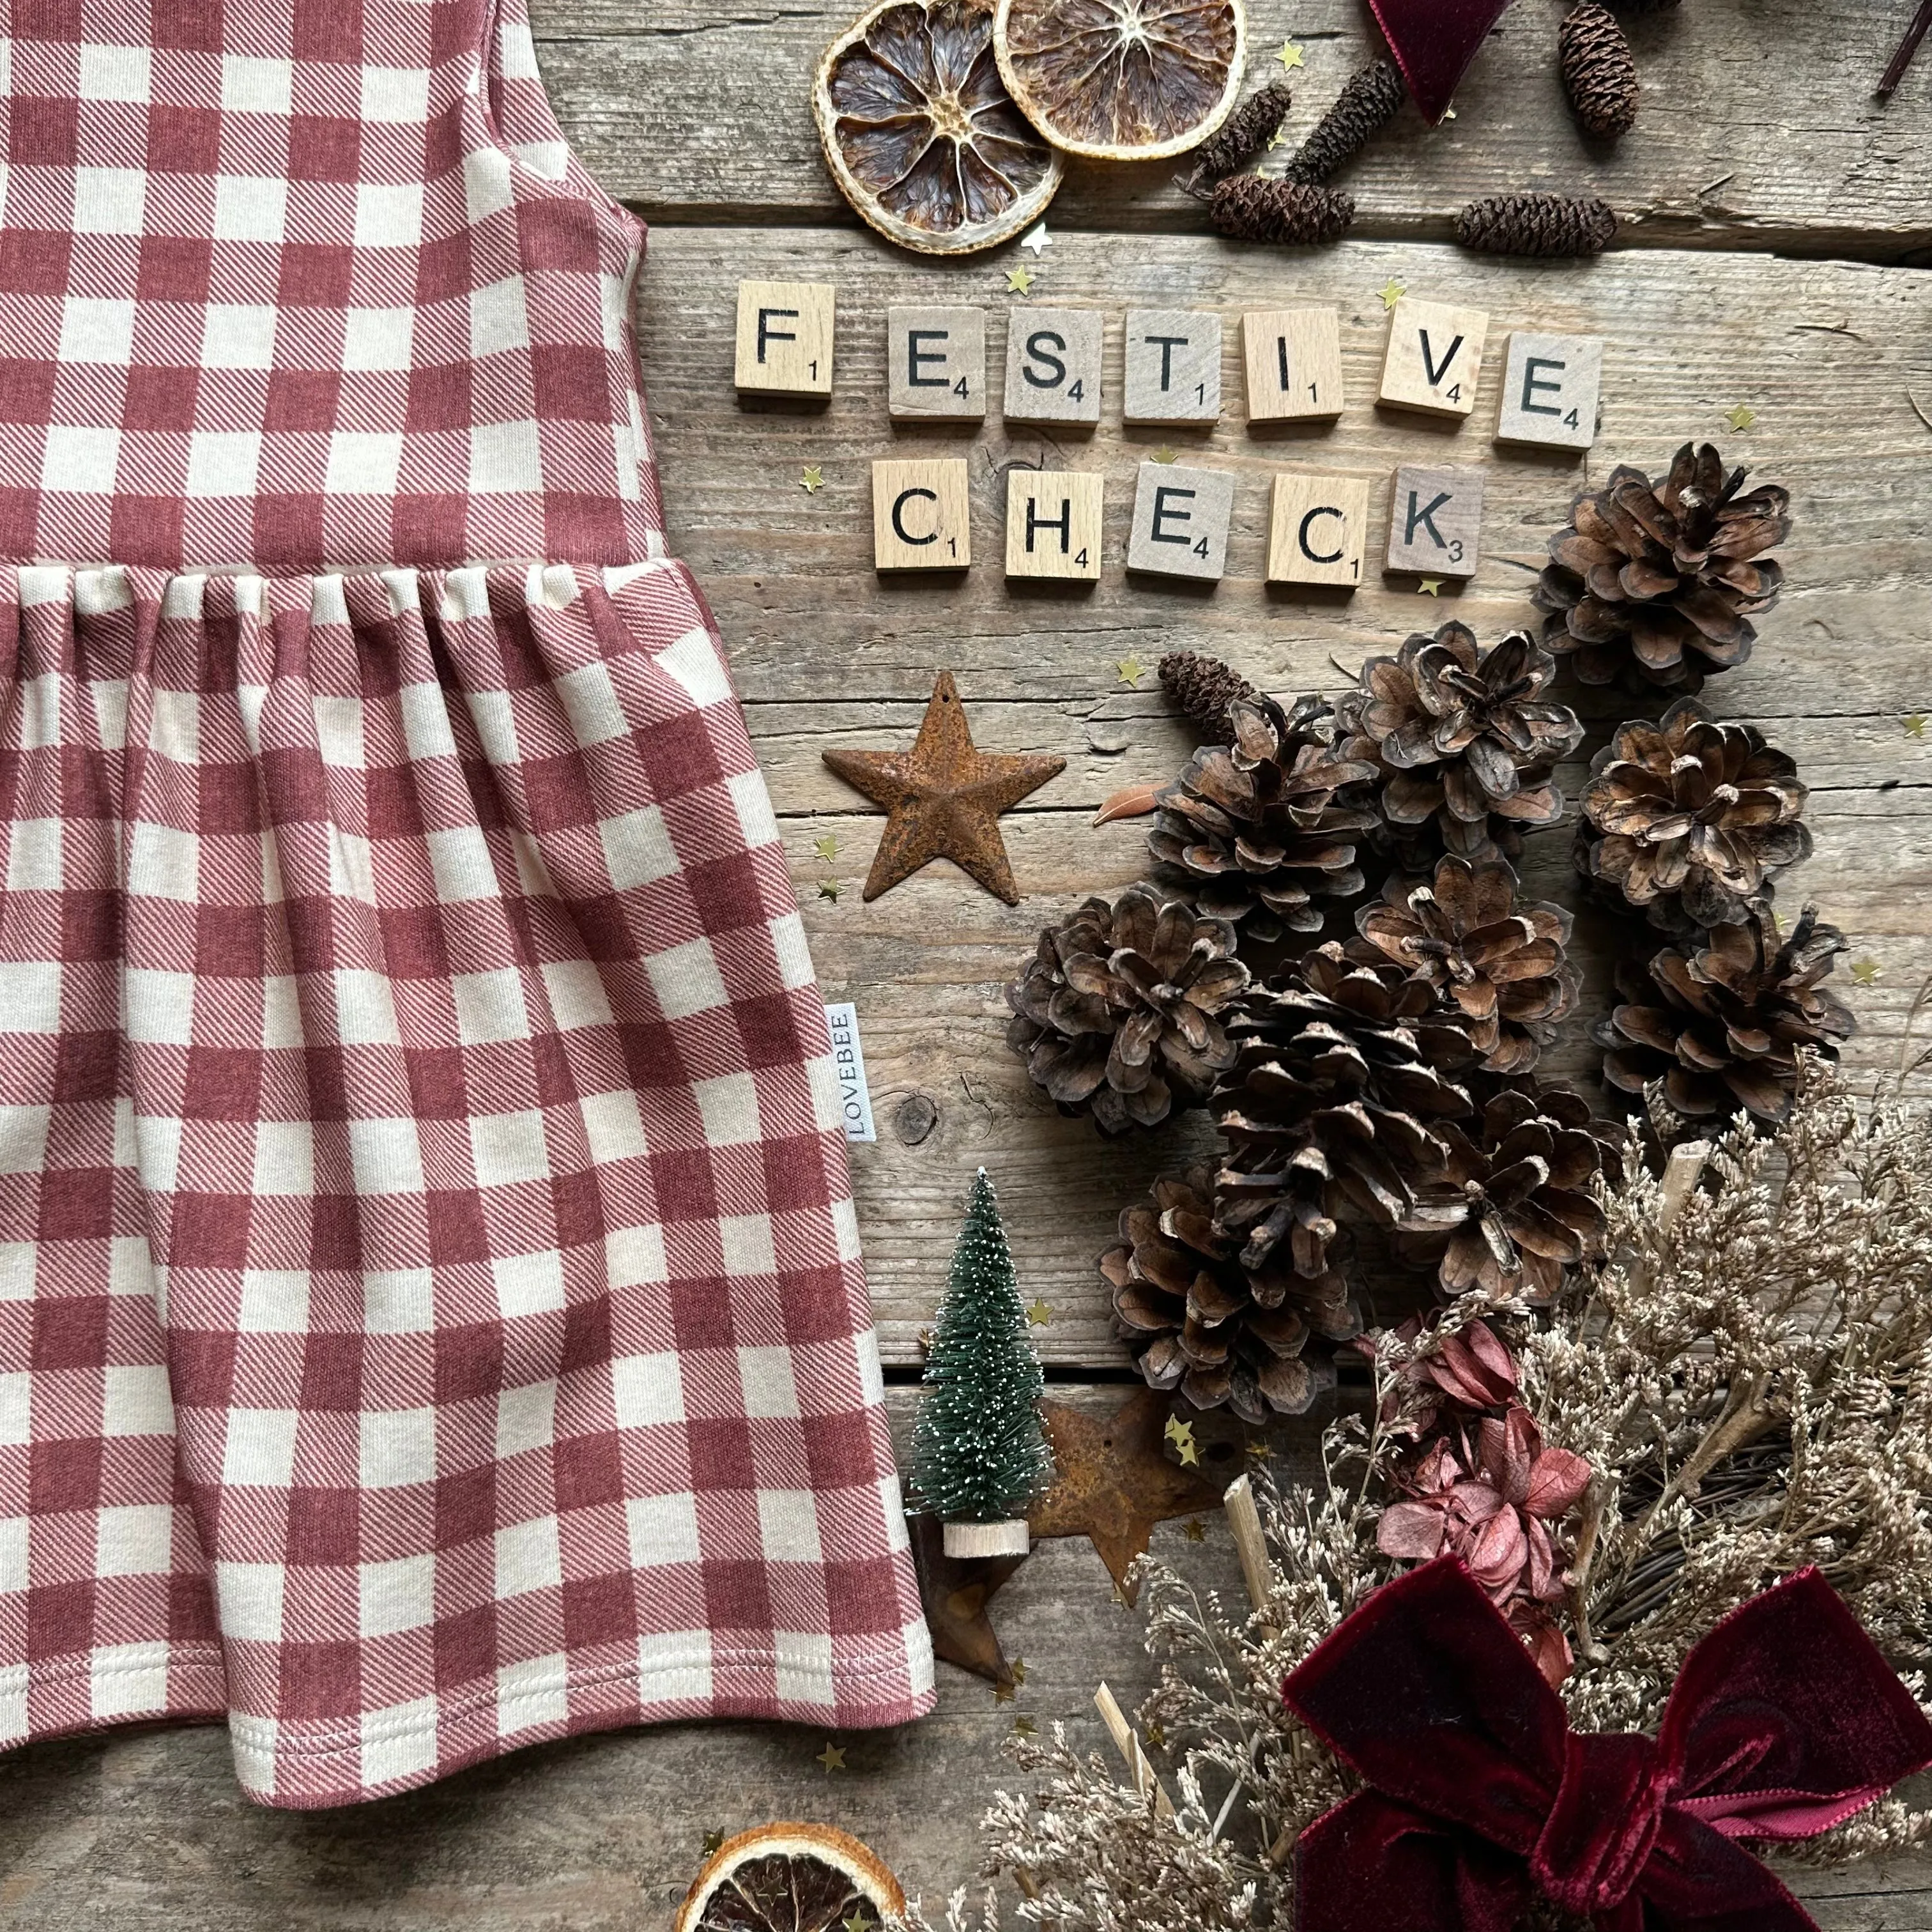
(944,798)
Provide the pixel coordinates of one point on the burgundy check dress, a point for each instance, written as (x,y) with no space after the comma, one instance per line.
(431,1316)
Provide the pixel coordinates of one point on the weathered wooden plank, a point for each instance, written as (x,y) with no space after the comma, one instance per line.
(826,654)
(1756,132)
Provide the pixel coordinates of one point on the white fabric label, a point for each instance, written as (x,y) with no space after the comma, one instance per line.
(848,1056)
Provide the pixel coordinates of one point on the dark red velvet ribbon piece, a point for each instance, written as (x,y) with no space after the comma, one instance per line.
(1784,1721)
(1433,42)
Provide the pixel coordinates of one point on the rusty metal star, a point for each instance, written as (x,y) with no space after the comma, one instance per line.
(944,798)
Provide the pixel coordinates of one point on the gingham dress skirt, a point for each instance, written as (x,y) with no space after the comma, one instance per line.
(430,1311)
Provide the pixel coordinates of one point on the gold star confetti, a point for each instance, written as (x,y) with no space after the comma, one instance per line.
(1157,1736)
(828,889)
(1740,417)
(1278,138)
(1181,1434)
(1122,1599)
(1037,239)
(1018,1667)
(713,1840)
(1391,292)
(857,1921)
(1258,1452)
(1163,455)
(1130,671)
(832,1757)
(1039,1314)
(811,478)
(1448,114)
(826,847)
(1914,725)
(1025,1727)
(1019,281)
(1290,57)
(1196,1531)
(1430,586)
(1002,1693)
(1865,972)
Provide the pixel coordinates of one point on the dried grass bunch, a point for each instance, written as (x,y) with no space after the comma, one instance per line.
(1748,1375)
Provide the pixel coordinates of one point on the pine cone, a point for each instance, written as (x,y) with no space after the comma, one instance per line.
(1367,104)
(1251,209)
(1514,1206)
(1463,741)
(1202,687)
(1242,136)
(1120,1013)
(1654,586)
(1260,831)
(1599,69)
(1500,960)
(1706,812)
(1199,1320)
(1536,224)
(1341,1078)
(1723,1027)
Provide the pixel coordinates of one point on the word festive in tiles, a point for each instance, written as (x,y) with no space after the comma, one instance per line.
(1434,357)
(1317,529)
(1181,521)
(1293,360)
(936,363)
(1053,366)
(920,520)
(784,338)
(1053,523)
(1436,521)
(1171,366)
(1550,385)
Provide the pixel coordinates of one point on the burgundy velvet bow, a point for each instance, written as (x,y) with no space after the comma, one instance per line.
(1783,1722)
(1433,42)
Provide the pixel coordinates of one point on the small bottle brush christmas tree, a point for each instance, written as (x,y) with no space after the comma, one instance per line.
(978,1452)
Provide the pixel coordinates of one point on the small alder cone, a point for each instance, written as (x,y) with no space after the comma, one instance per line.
(1599,69)
(1293,213)
(1464,741)
(1120,1013)
(1552,225)
(1199,1321)
(1514,1206)
(1723,1026)
(1342,1074)
(1500,961)
(1654,586)
(1243,135)
(1260,832)
(1690,815)
(1202,688)
(1367,104)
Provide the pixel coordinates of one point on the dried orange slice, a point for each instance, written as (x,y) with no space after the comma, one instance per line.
(920,133)
(1123,80)
(791,1878)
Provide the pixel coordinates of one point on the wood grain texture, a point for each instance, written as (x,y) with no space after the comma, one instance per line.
(1757,130)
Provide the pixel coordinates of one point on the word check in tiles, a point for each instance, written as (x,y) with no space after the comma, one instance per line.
(920,517)
(1053,524)
(1181,521)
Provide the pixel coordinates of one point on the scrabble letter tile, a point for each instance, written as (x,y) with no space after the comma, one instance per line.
(1181,521)
(1173,366)
(1053,365)
(1434,357)
(784,338)
(1053,523)
(1293,357)
(1318,528)
(1436,522)
(936,363)
(1550,384)
(920,516)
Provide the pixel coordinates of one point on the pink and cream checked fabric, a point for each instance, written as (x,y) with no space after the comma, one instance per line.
(431,1317)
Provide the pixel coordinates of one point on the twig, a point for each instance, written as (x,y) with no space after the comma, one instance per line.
(1244,1519)
(1129,1745)
(1917,411)
(1902,54)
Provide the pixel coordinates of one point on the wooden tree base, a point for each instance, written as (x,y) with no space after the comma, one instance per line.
(988,1539)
